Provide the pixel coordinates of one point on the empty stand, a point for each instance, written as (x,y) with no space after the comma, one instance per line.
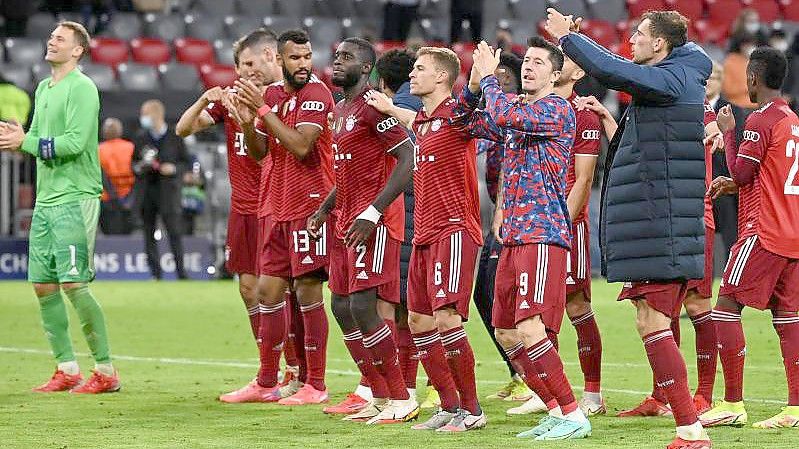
(24,50)
(109,51)
(194,51)
(149,50)
(138,77)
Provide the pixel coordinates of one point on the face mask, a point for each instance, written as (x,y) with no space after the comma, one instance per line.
(752,27)
(781,45)
(146,121)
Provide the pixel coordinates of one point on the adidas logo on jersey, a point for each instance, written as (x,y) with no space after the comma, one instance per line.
(362,275)
(307,260)
(441,293)
(570,281)
(524,305)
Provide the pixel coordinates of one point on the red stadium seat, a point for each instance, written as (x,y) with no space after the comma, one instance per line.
(109,51)
(723,12)
(603,32)
(217,75)
(465,52)
(689,8)
(709,31)
(148,50)
(384,46)
(768,10)
(194,51)
(790,10)
(637,7)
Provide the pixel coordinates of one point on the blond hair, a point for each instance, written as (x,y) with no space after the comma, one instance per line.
(445,59)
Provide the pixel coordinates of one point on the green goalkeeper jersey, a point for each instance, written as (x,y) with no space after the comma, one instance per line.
(63,138)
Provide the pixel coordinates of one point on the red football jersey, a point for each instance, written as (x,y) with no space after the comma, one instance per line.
(363,139)
(263,190)
(710,222)
(586,144)
(297,187)
(769,206)
(244,172)
(444,178)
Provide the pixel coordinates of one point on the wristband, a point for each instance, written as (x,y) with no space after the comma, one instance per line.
(370,214)
(263,110)
(46,148)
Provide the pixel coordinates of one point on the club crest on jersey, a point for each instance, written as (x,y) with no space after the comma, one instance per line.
(436,125)
(350,125)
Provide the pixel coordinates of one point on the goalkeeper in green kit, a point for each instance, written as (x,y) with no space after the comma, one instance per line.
(63,139)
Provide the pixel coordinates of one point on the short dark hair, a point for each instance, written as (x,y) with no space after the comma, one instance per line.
(671,26)
(296,36)
(81,35)
(514,63)
(261,36)
(769,65)
(555,54)
(395,67)
(366,51)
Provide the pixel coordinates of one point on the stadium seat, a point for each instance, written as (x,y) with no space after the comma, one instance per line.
(214,8)
(238,26)
(723,12)
(768,10)
(790,10)
(637,7)
(223,49)
(180,6)
(465,52)
(148,50)
(332,8)
(521,29)
(40,71)
(384,46)
(256,8)
(167,27)
(691,9)
(435,29)
(177,76)
(355,26)
(323,31)
(604,33)
(19,75)
(434,8)
(125,26)
(138,77)
(573,7)
(279,24)
(24,51)
(109,51)
(40,25)
(710,31)
(102,75)
(217,75)
(293,8)
(193,51)
(204,27)
(610,10)
(370,9)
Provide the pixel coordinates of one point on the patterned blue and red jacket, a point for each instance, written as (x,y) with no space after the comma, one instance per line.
(537,139)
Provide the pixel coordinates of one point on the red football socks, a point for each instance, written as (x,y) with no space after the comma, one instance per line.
(550,369)
(589,350)
(353,340)
(316,327)
(706,353)
(380,343)
(787,327)
(671,375)
(431,354)
(409,362)
(273,334)
(732,351)
(524,367)
(461,364)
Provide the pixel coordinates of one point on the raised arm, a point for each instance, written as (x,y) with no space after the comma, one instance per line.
(197,118)
(382,103)
(543,118)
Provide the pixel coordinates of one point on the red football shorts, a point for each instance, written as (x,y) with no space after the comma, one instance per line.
(290,252)
(578,264)
(372,265)
(241,256)
(665,297)
(755,277)
(264,228)
(529,282)
(441,275)
(704,286)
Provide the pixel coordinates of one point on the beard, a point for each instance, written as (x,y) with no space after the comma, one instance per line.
(348,80)
(293,82)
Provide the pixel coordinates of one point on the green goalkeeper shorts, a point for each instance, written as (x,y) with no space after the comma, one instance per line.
(61,242)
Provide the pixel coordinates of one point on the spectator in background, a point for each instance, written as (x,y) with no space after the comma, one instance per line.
(16,13)
(16,104)
(733,86)
(778,39)
(159,160)
(116,155)
(462,10)
(504,40)
(748,22)
(398,16)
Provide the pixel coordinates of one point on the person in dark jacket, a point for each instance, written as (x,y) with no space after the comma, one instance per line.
(652,234)
(159,160)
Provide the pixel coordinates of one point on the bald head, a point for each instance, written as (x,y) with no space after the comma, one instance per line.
(112,128)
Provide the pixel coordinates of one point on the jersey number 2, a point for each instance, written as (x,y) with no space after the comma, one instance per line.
(791,150)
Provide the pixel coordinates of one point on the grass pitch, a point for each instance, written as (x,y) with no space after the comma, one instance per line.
(179,345)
